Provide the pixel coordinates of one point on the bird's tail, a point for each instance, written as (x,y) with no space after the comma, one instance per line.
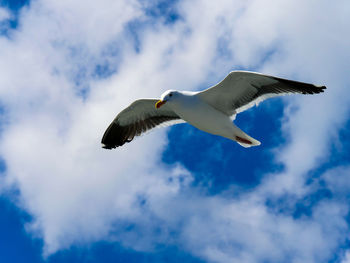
(244,139)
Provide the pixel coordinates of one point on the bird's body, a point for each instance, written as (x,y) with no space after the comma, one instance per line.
(203,116)
(211,110)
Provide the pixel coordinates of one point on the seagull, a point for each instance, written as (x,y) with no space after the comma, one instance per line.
(212,110)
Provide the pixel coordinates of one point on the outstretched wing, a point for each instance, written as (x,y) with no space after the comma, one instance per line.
(241,90)
(136,119)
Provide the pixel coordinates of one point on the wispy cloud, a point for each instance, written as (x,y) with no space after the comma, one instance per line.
(69,67)
(4,14)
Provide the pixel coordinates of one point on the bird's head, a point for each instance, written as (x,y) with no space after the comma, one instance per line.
(166,97)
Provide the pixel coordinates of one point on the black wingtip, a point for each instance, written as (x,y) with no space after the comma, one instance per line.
(322,88)
(113,137)
(318,89)
(106,147)
(302,87)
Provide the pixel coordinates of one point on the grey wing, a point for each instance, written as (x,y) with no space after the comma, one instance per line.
(136,119)
(241,90)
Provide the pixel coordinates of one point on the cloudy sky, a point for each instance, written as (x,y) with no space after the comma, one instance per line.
(176,194)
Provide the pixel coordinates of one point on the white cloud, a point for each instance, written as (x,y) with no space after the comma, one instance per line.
(337,180)
(4,14)
(79,193)
(346,258)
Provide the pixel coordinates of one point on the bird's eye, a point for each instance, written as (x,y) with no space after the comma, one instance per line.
(170,94)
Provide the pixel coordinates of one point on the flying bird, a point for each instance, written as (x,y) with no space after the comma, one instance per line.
(212,110)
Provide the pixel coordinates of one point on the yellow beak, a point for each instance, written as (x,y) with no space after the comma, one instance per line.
(159,103)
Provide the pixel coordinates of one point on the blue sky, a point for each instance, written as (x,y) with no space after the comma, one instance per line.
(175,194)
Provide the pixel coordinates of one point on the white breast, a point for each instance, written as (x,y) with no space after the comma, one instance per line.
(203,116)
